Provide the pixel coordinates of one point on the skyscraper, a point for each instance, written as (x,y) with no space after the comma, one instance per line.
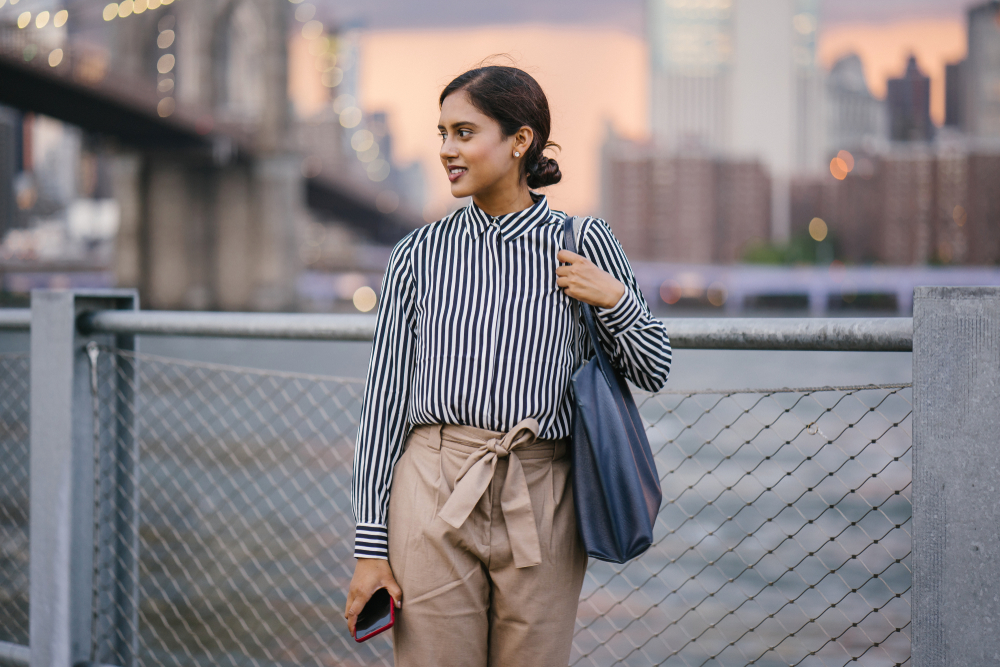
(855,117)
(981,72)
(738,79)
(909,99)
(691,48)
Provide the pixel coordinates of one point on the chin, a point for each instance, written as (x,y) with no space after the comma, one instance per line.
(459,190)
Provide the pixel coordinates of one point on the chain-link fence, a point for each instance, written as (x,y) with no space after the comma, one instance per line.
(783,538)
(224,530)
(14,456)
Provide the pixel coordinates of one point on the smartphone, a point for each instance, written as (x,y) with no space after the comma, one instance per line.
(378,616)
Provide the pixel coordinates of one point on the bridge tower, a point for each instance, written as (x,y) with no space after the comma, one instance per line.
(212,231)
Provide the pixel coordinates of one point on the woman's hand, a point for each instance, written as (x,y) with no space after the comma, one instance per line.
(585,281)
(370,574)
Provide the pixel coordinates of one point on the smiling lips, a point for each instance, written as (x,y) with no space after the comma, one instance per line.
(454,173)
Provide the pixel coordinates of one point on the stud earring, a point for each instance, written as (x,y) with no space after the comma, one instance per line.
(516,154)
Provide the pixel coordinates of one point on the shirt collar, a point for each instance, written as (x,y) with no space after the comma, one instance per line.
(511,225)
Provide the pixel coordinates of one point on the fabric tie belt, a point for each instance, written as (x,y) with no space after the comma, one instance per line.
(474,478)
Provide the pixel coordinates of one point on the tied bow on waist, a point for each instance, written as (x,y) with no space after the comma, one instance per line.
(515,502)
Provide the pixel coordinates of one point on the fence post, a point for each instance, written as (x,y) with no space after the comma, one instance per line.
(62,472)
(956,476)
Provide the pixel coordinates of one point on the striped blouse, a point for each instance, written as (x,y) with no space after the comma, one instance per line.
(473,330)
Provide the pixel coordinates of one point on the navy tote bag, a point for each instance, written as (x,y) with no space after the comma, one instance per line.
(615,485)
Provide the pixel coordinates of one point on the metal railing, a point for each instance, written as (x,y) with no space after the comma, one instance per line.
(222,525)
(885,334)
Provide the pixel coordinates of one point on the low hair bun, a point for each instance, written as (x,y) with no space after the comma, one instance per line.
(544,172)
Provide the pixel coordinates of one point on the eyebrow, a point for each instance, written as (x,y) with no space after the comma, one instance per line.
(460,123)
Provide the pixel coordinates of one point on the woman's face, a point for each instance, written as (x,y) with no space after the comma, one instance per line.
(475,154)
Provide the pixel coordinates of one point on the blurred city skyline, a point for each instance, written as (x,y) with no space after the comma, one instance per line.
(300,135)
(625,15)
(605,82)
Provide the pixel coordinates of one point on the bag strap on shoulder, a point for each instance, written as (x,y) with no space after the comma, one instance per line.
(571,231)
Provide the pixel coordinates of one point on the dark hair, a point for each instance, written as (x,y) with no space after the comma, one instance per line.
(512,98)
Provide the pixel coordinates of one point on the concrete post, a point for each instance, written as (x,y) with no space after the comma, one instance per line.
(62,472)
(956,476)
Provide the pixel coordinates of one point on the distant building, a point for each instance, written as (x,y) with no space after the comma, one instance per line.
(912,204)
(689,207)
(10,158)
(909,99)
(739,80)
(855,117)
(954,95)
(691,53)
(981,72)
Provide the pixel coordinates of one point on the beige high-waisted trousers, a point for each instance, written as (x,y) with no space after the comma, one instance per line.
(483,542)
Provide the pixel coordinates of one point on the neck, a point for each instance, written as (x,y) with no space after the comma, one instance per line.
(502,202)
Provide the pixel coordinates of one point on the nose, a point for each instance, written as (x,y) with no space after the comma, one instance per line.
(448,149)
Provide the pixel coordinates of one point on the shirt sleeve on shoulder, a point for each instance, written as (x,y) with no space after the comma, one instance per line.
(636,341)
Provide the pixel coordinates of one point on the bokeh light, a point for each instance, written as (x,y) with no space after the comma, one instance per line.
(304,13)
(165,86)
(55,57)
(312,166)
(365,299)
(312,30)
(838,168)
(362,140)
(165,39)
(370,154)
(166,107)
(717,294)
(350,117)
(139,6)
(848,160)
(670,292)
(959,215)
(332,78)
(42,19)
(378,170)
(818,229)
(110,11)
(165,63)
(387,201)
(59,20)
(125,8)
(341,102)
(23,20)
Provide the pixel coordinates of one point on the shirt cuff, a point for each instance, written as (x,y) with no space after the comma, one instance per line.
(371,541)
(621,316)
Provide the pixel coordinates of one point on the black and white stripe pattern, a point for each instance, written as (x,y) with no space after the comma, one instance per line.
(473,330)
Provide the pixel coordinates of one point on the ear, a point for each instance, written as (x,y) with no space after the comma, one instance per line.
(523,139)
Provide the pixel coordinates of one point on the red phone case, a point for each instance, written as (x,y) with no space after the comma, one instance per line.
(392,621)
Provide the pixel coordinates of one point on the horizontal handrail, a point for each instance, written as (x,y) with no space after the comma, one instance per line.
(841,334)
(300,326)
(15,319)
(873,334)
(15,653)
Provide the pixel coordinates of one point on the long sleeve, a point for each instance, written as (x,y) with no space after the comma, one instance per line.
(637,342)
(383,423)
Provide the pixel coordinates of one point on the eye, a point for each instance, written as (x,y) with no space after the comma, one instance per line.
(464,132)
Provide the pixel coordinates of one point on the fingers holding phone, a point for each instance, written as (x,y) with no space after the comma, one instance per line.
(370,575)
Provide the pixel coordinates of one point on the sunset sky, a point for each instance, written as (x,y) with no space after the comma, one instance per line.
(594,72)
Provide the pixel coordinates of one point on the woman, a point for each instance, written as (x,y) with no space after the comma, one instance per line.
(466,411)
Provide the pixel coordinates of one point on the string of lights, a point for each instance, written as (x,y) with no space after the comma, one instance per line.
(126,8)
(325,49)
